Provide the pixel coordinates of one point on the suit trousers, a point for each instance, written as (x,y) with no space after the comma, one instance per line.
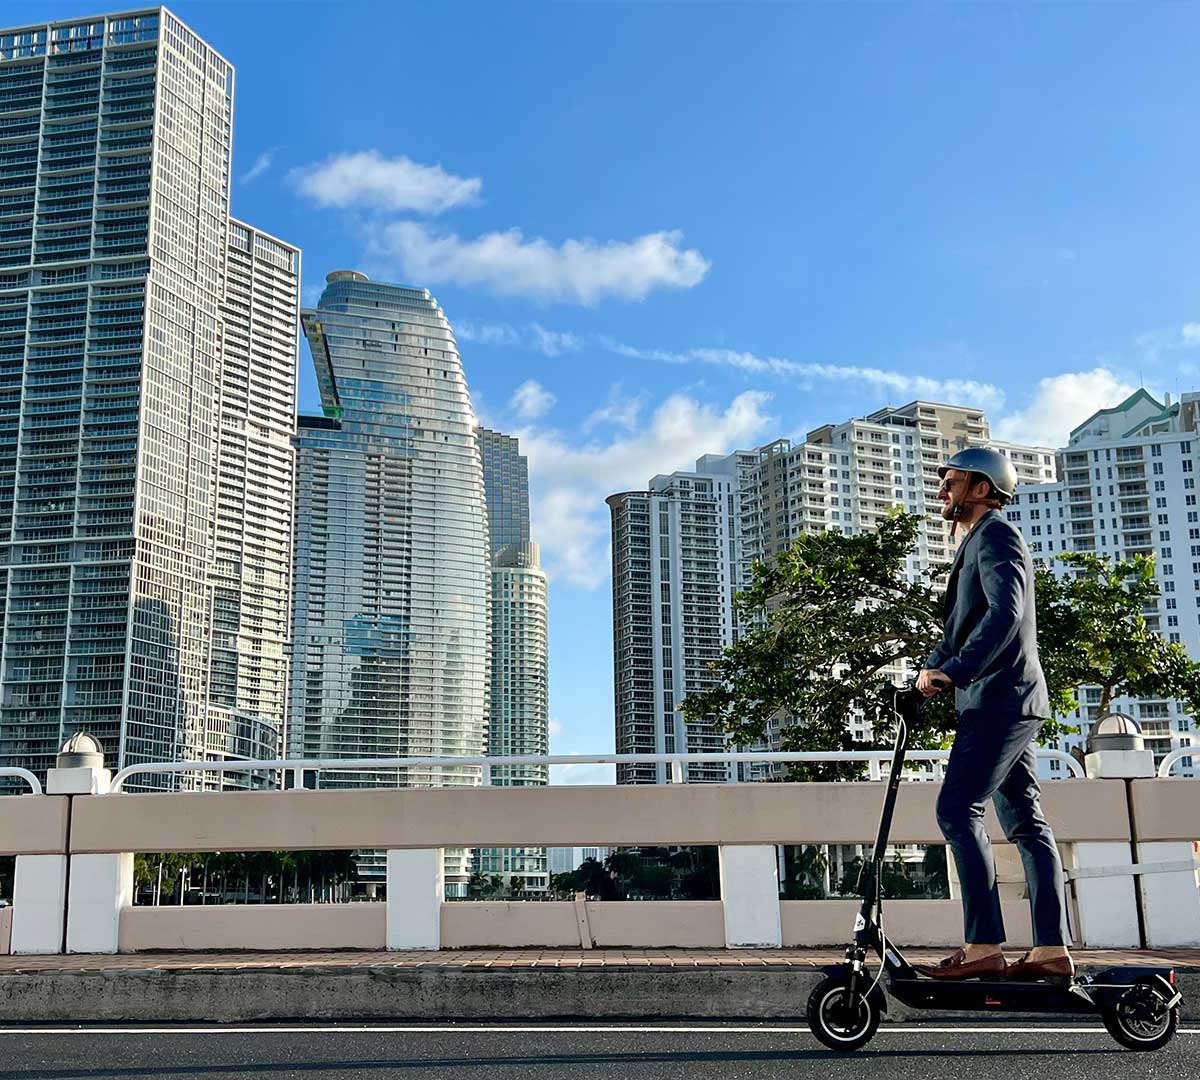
(993,757)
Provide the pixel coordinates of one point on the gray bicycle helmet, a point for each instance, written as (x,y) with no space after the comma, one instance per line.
(990,463)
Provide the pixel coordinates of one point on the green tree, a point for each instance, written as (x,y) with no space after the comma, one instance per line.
(593,879)
(806,868)
(827,617)
(896,882)
(1097,632)
(933,866)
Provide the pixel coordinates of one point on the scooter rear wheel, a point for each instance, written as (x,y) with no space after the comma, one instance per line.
(1140,1020)
(839,1019)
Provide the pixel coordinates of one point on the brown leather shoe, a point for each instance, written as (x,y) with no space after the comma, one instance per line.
(958,967)
(1025,970)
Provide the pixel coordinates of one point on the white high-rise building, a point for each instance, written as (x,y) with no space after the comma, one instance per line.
(114,236)
(252,573)
(1129,487)
(677,564)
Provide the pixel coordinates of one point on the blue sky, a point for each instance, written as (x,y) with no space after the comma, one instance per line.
(668,229)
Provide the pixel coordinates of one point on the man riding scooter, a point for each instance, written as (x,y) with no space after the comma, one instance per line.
(988,655)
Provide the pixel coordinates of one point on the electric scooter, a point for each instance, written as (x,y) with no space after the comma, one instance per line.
(1139,1006)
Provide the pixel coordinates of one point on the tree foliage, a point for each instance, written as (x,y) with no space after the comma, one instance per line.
(648,873)
(243,876)
(832,614)
(1098,616)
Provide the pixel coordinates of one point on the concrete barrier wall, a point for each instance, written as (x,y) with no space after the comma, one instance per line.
(33,825)
(550,816)
(514,924)
(254,926)
(1167,809)
(633,924)
(912,922)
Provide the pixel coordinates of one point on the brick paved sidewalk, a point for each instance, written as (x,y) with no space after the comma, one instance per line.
(460,959)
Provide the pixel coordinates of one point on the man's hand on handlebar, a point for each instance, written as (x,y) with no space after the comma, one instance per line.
(931,680)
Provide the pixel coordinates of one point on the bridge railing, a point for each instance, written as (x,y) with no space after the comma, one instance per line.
(298,768)
(1128,846)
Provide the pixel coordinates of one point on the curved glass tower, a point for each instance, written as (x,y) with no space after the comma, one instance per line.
(392,572)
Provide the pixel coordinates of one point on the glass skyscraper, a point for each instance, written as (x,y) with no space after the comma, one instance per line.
(392,567)
(520,717)
(506,485)
(114,215)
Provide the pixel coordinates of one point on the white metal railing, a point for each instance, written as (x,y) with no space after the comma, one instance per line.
(299,766)
(34,783)
(1168,763)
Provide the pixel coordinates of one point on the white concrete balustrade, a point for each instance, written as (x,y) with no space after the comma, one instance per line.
(74,877)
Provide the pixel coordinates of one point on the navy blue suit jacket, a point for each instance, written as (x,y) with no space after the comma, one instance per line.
(989,646)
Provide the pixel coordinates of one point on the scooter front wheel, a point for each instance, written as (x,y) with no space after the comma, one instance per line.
(1140,1019)
(840,1019)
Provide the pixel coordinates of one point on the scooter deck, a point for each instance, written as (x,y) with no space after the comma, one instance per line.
(992,996)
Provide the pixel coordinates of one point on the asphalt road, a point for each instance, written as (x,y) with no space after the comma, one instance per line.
(620,1052)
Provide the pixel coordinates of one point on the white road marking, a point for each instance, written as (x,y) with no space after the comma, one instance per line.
(416,1029)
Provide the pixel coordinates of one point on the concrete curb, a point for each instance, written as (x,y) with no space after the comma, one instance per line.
(380,993)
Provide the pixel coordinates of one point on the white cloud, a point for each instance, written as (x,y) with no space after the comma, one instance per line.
(576,271)
(555,728)
(531,400)
(367,178)
(261,164)
(1190,334)
(569,480)
(1061,403)
(619,410)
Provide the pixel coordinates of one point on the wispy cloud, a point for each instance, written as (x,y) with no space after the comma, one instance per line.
(571,478)
(368,179)
(530,336)
(1155,346)
(969,391)
(531,400)
(261,164)
(575,271)
(620,410)
(966,391)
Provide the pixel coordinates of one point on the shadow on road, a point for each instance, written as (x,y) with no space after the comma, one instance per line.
(527,1061)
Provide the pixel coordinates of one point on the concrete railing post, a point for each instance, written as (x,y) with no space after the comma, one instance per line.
(39,898)
(1164,900)
(99,886)
(416,888)
(1170,898)
(1109,908)
(1106,907)
(750,896)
